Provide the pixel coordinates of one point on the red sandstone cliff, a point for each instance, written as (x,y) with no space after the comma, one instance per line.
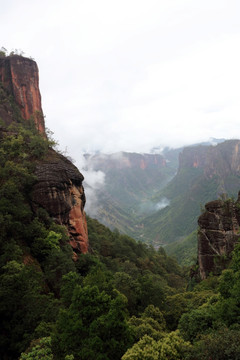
(19,76)
(59,187)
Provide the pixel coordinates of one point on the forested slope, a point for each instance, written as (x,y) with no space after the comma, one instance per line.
(120,300)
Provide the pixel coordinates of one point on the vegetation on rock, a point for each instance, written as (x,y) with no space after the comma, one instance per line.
(121,300)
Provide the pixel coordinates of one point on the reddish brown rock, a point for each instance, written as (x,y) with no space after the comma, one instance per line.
(217,235)
(59,187)
(59,190)
(19,76)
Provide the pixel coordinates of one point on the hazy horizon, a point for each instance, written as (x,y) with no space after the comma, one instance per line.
(131,75)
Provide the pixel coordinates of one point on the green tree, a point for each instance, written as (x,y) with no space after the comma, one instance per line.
(23,305)
(93,327)
(170,347)
(222,344)
(195,322)
(39,350)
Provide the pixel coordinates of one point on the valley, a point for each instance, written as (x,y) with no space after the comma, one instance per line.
(157,198)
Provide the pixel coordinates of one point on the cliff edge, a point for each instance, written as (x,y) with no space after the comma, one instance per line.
(59,188)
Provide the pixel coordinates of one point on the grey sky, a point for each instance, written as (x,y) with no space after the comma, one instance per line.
(131,74)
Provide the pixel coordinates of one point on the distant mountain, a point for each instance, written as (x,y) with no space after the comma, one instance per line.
(205,173)
(157,198)
(131,180)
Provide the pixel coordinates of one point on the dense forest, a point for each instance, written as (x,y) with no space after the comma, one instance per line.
(121,300)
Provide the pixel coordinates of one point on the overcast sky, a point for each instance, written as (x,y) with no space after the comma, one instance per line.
(131,74)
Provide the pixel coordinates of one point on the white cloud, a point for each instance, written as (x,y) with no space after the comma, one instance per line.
(130,75)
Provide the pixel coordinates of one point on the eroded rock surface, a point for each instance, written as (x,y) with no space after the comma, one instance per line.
(59,190)
(218,233)
(19,76)
(59,187)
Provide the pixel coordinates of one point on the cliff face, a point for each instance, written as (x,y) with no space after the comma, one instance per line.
(59,190)
(124,160)
(59,187)
(218,233)
(193,157)
(19,76)
(219,160)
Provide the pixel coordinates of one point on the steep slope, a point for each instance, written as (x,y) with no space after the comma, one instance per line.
(59,187)
(131,180)
(19,77)
(204,174)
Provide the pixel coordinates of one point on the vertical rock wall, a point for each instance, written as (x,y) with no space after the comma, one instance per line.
(59,187)
(59,190)
(19,76)
(218,233)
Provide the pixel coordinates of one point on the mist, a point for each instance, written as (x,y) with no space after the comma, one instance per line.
(150,207)
(162,204)
(94,181)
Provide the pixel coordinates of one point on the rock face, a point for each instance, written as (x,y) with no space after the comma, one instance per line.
(59,190)
(19,76)
(123,160)
(218,233)
(219,160)
(59,187)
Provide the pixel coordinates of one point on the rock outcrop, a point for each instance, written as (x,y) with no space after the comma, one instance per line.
(19,76)
(59,190)
(217,235)
(59,187)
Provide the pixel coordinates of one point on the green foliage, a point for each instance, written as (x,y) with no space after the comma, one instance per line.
(184,250)
(68,284)
(23,305)
(84,328)
(33,252)
(170,347)
(145,276)
(222,344)
(178,304)
(145,349)
(39,350)
(3,52)
(194,323)
(151,323)
(97,307)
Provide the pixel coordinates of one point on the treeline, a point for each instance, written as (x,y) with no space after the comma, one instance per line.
(122,300)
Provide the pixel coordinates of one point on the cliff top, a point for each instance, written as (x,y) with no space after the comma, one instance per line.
(19,77)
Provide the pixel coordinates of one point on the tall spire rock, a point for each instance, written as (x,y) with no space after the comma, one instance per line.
(19,76)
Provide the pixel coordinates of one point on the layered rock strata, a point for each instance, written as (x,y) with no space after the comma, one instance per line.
(218,232)
(59,190)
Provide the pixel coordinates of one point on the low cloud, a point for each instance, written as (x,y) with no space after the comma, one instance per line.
(162,204)
(94,181)
(151,207)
